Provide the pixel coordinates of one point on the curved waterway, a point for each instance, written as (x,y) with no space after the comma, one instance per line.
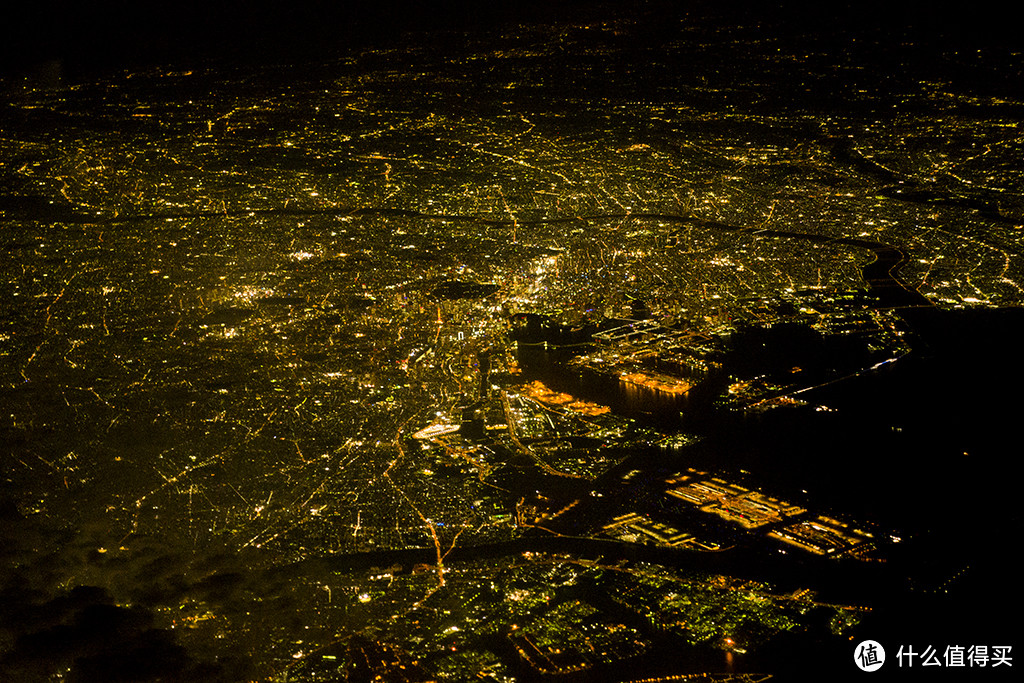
(782,572)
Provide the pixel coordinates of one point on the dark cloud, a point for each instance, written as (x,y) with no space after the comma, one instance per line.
(86,636)
(49,629)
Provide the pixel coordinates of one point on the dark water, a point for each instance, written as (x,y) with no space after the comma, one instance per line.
(922,447)
(935,418)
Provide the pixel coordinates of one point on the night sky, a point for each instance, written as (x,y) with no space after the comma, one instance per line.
(107,36)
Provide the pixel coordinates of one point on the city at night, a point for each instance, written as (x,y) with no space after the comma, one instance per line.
(573,341)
